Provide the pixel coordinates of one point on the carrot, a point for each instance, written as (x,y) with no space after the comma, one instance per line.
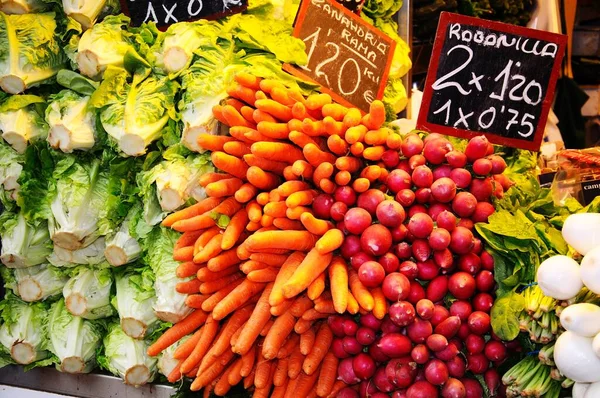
(216,297)
(322,298)
(394,141)
(266,328)
(235,375)
(263,275)
(210,250)
(315,156)
(262,116)
(376,137)
(303,169)
(212,142)
(228,207)
(313,128)
(348,163)
(287,269)
(301,305)
(248,361)
(330,241)
(221,188)
(192,211)
(274,340)
(240,92)
(214,286)
(279,309)
(286,224)
(376,114)
(327,375)
(371,173)
(325,307)
(245,193)
(274,260)
(296,212)
(357,149)
(263,369)
(322,171)
(355,134)
(223,341)
(338,277)
(222,386)
(374,153)
(217,112)
(239,133)
(352,118)
(234,118)
(187,239)
(246,111)
(275,109)
(266,221)
(361,184)
(314,225)
(248,80)
(318,101)
(260,317)
(301,198)
(267,85)
(288,240)
(337,387)
(264,392)
(208,178)
(280,376)
(177,331)
(281,95)
(307,339)
(353,306)
(278,151)
(335,111)
(342,178)
(233,231)
(265,164)
(299,111)
(313,315)
(205,377)
(186,348)
(262,179)
(302,325)
(316,288)
(251,265)
(206,236)
(289,346)
(249,380)
(275,209)
(305,384)
(277,131)
(188,287)
(254,211)
(187,269)
(359,291)
(334,127)
(327,186)
(236,148)
(175,374)
(320,348)
(229,164)
(308,270)
(236,298)
(300,139)
(195,300)
(184,254)
(288,174)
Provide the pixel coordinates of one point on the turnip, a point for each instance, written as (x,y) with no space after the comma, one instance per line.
(473,388)
(475,344)
(396,287)
(421,250)
(436,372)
(590,270)
(448,327)
(462,309)
(483,302)
(416,292)
(419,330)
(575,358)
(469,263)
(435,150)
(579,390)
(402,313)
(346,372)
(423,196)
(482,167)
(395,345)
(559,277)
(484,280)
(346,195)
(321,206)
(405,197)
(403,250)
(582,319)
(338,211)
(425,309)
(370,199)
(365,336)
(453,388)
(437,288)
(461,285)
(390,213)
(420,354)
(371,274)
(443,190)
(415,161)
(436,342)
(443,258)
(482,189)
(477,363)
(422,176)
(446,220)
(427,270)
(582,231)
(376,240)
(440,314)
(422,389)
(482,211)
(456,365)
(479,322)
(476,148)
(464,204)
(495,351)
(411,145)
(401,372)
(439,239)
(363,366)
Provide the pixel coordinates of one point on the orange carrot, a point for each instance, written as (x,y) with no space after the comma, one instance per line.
(289,187)
(376,137)
(281,308)
(239,133)
(207,178)
(322,171)
(286,224)
(277,131)
(221,188)
(374,153)
(240,92)
(313,315)
(206,236)
(338,277)
(335,111)
(187,239)
(246,193)
(280,330)
(309,270)
(266,220)
(300,139)
(229,164)
(265,164)
(249,380)
(234,229)
(301,304)
(177,331)
(252,265)
(236,298)
(296,212)
(318,101)
(357,149)
(348,163)
(275,209)
(305,384)
(323,341)
(187,269)
(288,174)
(327,375)
(355,134)
(236,148)
(267,85)
(260,95)
(228,207)
(287,269)
(288,240)
(352,306)
(343,178)
(192,211)
(376,114)
(184,254)
(394,141)
(262,179)
(274,260)
(254,211)
(275,109)
(327,186)
(266,390)
(295,363)
(248,80)
(315,156)
(205,377)
(212,142)
(303,169)
(316,288)
(314,128)
(188,287)
(234,118)
(280,376)
(380,303)
(263,369)
(281,95)
(371,173)
(263,275)
(235,375)
(222,263)
(235,322)
(299,111)
(216,285)
(260,316)
(186,348)
(210,250)
(314,225)
(301,198)
(222,385)
(359,291)
(307,339)
(246,111)
(302,325)
(330,241)
(277,151)
(352,118)
(217,112)
(195,300)
(262,116)
(216,297)
(248,361)
(266,328)
(325,307)
(361,185)
(175,374)
(334,127)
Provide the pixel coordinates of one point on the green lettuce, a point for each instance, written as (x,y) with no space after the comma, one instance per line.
(11,166)
(87,293)
(22,121)
(24,244)
(35,283)
(24,6)
(92,254)
(87,12)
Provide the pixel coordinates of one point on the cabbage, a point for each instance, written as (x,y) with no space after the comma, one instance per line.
(134,301)
(87,293)
(35,283)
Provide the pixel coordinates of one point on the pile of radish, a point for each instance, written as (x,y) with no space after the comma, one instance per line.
(413,239)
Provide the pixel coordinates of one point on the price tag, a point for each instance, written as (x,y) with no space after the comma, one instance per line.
(346,55)
(167,12)
(590,190)
(491,78)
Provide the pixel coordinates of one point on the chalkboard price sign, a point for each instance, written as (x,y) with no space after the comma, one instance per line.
(167,12)
(347,56)
(491,78)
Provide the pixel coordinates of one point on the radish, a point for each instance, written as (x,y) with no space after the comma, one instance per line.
(504,181)
(422,176)
(414,209)
(461,285)
(590,270)
(475,344)
(469,263)
(409,269)
(456,365)
(403,250)
(390,158)
(453,388)
(347,392)
(437,288)
(376,353)
(579,390)
(498,164)
(432,136)
(422,389)
(582,319)
(401,372)
(436,372)
(466,223)
(351,345)
(446,220)
(365,336)
(443,258)
(370,199)
(337,347)
(461,177)
(389,262)
(483,210)
(419,330)
(443,190)
(371,273)
(482,189)
(575,358)
(359,259)
(477,363)
(436,342)
(423,196)
(381,381)
(479,322)
(476,148)
(321,206)
(482,167)
(425,309)
(492,381)
(461,241)
(473,388)
(405,197)
(456,159)
(462,309)
(427,270)
(364,366)
(420,225)
(370,321)
(477,245)
(367,388)
(350,247)
(346,372)
(483,302)
(402,313)
(495,351)
(487,261)
(336,324)
(582,231)
(415,161)
(416,292)
(396,287)
(484,280)
(390,213)
(442,171)
(559,277)
(338,211)
(376,240)
(395,345)
(357,220)
(449,327)
(439,239)
(350,327)
(436,208)
(421,250)
(345,195)
(399,233)
(464,204)
(435,150)
(420,354)
(411,145)
(440,314)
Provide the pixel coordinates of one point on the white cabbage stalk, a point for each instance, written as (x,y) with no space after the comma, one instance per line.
(89,255)
(134,308)
(166,362)
(24,245)
(39,282)
(72,123)
(22,6)
(87,293)
(73,340)
(19,128)
(180,42)
(122,248)
(26,334)
(127,357)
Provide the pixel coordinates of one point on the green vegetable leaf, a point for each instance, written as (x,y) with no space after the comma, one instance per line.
(505,315)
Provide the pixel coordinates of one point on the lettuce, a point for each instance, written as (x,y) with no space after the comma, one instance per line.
(87,293)
(35,283)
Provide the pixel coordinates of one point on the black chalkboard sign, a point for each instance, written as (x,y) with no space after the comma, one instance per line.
(167,12)
(347,56)
(491,78)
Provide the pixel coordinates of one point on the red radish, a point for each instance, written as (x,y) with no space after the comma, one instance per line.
(482,167)
(440,314)
(456,159)
(359,259)
(482,189)
(435,150)
(336,323)
(436,208)
(401,372)
(381,381)
(498,164)
(423,195)
(475,344)
(453,388)
(437,288)
(390,158)
(461,241)
(399,233)
(367,388)
(443,190)
(482,211)
(347,392)
(499,191)
(422,176)
(425,308)
(403,250)
(463,331)
(350,247)
(405,197)
(389,262)
(436,342)
(436,372)
(504,181)
(490,150)
(487,261)
(398,180)
(432,136)
(473,388)
(371,274)
(446,220)
(422,389)
(466,223)
(364,366)
(402,313)
(476,148)
(350,327)
(484,281)
(492,381)
(464,204)
(403,165)
(411,145)
(409,269)
(396,287)
(479,322)
(345,195)
(495,351)
(321,206)
(370,321)
(443,259)
(376,353)
(477,363)
(346,372)
(351,345)
(376,240)
(416,160)
(428,270)
(419,330)
(369,200)
(461,177)
(387,326)
(439,239)
(416,292)
(337,347)
(421,250)
(483,302)
(462,309)
(442,171)
(470,263)
(420,354)
(461,285)
(395,345)
(365,336)
(357,220)
(338,211)
(449,327)
(414,209)
(456,365)
(342,227)
(390,213)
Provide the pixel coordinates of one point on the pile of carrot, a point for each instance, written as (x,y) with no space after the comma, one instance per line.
(267,282)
